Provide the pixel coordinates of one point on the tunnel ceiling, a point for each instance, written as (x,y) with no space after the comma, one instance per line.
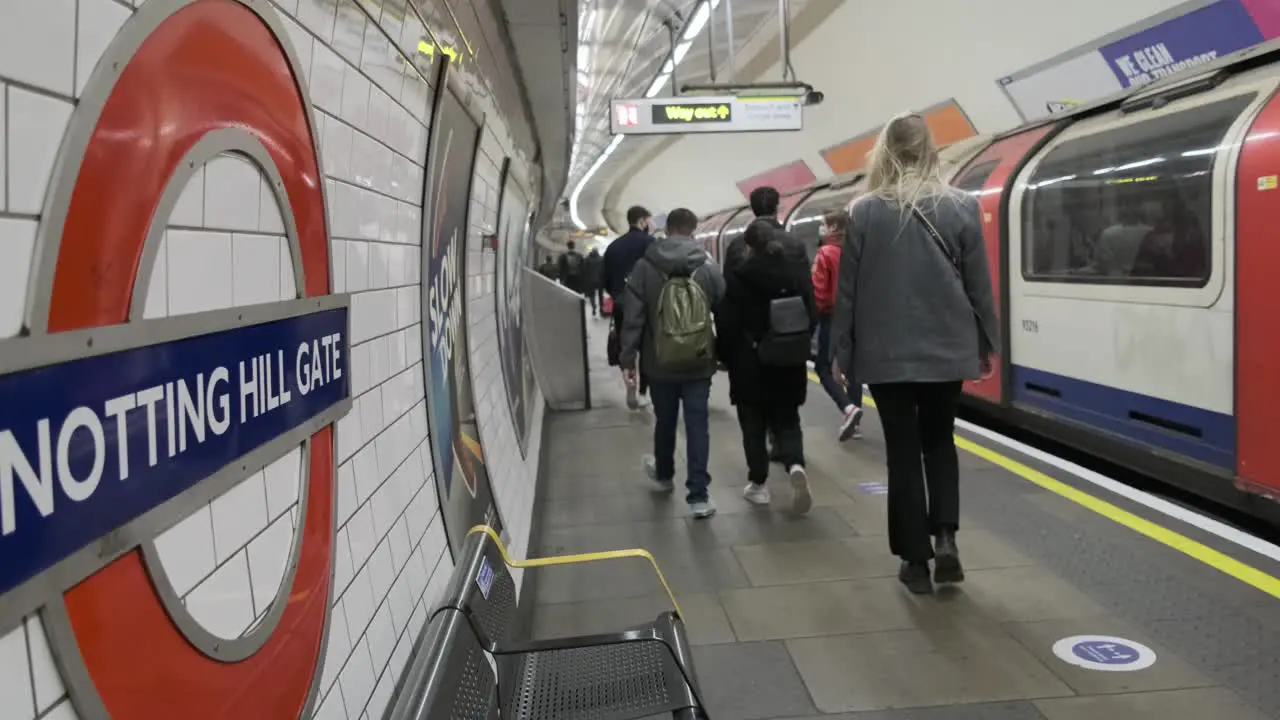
(624,52)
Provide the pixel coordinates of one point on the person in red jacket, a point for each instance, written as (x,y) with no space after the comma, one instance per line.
(825,270)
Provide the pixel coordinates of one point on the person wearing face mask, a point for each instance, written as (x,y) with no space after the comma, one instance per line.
(620,257)
(825,272)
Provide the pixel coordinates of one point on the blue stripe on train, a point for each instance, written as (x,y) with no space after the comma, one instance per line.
(1192,432)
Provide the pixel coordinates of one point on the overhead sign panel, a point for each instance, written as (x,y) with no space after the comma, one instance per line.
(1193,33)
(670,116)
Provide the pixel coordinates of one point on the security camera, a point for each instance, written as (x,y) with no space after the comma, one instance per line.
(814,97)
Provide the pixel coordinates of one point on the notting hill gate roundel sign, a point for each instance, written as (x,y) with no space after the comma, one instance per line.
(113,428)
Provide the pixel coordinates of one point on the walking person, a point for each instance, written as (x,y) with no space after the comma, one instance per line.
(549,269)
(571,268)
(593,280)
(848,398)
(764,326)
(620,257)
(914,318)
(670,298)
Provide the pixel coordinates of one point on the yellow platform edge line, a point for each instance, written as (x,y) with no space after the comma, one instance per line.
(1217,560)
(577,559)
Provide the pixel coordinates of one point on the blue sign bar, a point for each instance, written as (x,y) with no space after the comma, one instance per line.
(88,445)
(1199,37)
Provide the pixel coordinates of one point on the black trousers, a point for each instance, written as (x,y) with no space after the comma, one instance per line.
(924,498)
(759,423)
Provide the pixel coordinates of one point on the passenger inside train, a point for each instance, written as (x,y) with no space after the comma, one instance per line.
(305,413)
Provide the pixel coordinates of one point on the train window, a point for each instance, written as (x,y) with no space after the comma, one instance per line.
(975,178)
(1131,206)
(808,217)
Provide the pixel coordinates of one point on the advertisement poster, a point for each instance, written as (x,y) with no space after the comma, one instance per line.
(513,252)
(1192,34)
(462,480)
(1197,38)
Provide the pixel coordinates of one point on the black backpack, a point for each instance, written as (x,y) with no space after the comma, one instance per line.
(787,341)
(573,265)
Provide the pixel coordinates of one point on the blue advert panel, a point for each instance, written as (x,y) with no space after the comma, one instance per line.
(88,445)
(1199,37)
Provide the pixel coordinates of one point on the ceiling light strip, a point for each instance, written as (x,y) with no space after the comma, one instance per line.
(695,26)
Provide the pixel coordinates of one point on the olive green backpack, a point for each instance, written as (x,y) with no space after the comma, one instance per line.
(685,336)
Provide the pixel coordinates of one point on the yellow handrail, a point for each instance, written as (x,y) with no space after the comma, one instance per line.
(576,559)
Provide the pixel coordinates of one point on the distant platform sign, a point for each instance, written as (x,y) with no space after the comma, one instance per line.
(670,116)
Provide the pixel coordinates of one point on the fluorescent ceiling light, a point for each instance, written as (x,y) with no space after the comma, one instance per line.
(681,50)
(699,21)
(584,57)
(577,192)
(691,31)
(658,83)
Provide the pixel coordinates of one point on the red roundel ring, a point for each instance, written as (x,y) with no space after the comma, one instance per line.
(177,71)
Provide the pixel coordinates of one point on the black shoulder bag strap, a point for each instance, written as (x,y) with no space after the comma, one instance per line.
(943,246)
(952,260)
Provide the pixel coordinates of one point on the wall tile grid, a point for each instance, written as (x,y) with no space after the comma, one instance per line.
(225,247)
(512,477)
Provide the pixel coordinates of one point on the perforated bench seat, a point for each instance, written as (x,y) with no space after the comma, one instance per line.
(465,667)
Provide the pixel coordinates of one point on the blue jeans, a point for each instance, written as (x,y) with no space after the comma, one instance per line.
(837,391)
(667,398)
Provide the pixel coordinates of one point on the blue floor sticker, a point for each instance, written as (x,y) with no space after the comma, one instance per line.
(872,488)
(1105,653)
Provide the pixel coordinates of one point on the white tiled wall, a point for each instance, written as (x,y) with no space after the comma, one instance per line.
(513,478)
(225,247)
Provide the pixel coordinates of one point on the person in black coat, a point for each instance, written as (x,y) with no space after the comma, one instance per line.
(767,397)
(593,281)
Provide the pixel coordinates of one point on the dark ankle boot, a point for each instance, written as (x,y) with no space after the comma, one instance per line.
(946,561)
(915,575)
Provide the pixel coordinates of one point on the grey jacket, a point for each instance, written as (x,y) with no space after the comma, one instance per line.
(676,255)
(903,314)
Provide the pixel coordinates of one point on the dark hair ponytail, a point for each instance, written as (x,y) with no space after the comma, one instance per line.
(761,237)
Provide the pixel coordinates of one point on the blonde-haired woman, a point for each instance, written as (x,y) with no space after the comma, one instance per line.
(914,318)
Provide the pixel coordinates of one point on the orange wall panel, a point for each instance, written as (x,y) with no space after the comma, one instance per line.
(946,121)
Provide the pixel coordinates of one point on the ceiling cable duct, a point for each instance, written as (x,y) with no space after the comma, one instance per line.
(711,47)
(784,39)
(728,20)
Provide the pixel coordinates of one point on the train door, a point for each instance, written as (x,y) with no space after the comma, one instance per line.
(1257,309)
(985,176)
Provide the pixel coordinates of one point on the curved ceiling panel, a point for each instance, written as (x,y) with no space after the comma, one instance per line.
(627,49)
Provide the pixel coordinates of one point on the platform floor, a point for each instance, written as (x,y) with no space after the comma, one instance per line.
(802,617)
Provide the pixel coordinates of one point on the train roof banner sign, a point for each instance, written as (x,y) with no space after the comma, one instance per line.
(1187,35)
(704,114)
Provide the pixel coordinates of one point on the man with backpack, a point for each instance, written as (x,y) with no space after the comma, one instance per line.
(763,331)
(571,264)
(668,328)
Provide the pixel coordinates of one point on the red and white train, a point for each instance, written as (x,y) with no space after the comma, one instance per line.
(1135,251)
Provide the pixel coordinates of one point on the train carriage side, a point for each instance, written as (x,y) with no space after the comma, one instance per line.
(986,176)
(1122,285)
(708,231)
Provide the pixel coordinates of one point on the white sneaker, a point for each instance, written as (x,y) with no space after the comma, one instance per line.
(704,509)
(757,494)
(801,500)
(650,465)
(852,420)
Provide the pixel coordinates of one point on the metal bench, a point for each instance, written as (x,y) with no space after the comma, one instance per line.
(466,666)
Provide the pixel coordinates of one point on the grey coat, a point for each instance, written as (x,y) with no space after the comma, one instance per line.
(903,314)
(675,255)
